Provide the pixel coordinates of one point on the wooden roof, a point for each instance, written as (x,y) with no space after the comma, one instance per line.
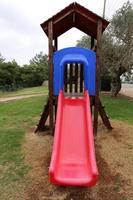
(77,16)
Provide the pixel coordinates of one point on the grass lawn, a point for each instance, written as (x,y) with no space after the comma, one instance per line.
(25,91)
(15,119)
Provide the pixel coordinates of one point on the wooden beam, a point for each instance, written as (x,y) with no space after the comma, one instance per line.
(62,17)
(44,116)
(104,117)
(55,98)
(98,70)
(50,62)
(88,17)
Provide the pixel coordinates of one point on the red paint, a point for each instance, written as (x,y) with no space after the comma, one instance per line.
(73,158)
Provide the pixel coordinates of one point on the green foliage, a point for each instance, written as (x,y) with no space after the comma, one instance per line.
(121,24)
(122,34)
(117,46)
(2,59)
(12,76)
(41,61)
(84,42)
(35,73)
(32,75)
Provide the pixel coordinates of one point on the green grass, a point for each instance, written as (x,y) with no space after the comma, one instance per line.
(15,119)
(119,108)
(25,91)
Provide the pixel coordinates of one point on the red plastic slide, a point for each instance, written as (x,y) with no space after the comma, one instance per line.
(73,157)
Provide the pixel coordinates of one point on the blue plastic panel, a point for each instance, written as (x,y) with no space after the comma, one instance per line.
(75,55)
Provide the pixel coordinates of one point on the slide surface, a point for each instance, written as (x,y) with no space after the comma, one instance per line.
(73,157)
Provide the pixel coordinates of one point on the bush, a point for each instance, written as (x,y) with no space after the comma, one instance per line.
(8,88)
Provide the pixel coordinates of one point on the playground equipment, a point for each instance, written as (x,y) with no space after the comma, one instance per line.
(73,159)
(74,84)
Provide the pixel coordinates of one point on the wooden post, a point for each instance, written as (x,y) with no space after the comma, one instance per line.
(55,98)
(104,116)
(56,44)
(44,116)
(98,70)
(50,43)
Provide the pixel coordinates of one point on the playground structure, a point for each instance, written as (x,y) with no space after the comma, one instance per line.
(71,165)
(93,25)
(74,84)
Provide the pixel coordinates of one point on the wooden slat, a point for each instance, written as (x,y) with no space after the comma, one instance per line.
(55,100)
(56,43)
(76,77)
(81,78)
(55,111)
(65,78)
(71,77)
(92,42)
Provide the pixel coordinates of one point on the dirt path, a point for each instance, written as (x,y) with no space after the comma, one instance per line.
(7,99)
(114,152)
(127,90)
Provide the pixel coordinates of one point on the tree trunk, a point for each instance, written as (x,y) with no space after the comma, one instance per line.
(115,86)
(116,81)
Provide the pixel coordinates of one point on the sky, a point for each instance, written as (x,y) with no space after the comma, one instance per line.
(21,36)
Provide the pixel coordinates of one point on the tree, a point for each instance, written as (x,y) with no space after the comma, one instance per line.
(1,58)
(85,42)
(32,75)
(12,76)
(122,36)
(41,60)
(9,75)
(117,46)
